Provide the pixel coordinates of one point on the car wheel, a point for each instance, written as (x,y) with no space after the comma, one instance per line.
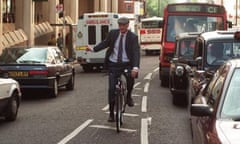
(175,99)
(54,90)
(70,84)
(12,108)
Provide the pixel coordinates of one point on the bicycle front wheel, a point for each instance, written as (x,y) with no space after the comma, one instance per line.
(119,116)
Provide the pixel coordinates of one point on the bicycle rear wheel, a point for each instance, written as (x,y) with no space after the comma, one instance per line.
(119,106)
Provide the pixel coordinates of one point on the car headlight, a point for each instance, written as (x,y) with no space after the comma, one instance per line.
(188,68)
(179,70)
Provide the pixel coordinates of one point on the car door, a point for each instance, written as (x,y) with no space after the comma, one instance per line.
(5,88)
(205,130)
(64,68)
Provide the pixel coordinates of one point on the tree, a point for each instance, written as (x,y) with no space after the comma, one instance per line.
(156,7)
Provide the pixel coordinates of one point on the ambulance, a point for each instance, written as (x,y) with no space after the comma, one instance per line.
(93,28)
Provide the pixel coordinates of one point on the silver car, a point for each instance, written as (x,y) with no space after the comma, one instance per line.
(10,98)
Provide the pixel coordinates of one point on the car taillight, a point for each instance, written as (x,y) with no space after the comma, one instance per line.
(142,31)
(38,72)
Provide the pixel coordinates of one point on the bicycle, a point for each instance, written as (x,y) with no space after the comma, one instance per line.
(121,98)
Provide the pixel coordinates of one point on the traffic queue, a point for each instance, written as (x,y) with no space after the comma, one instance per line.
(206,80)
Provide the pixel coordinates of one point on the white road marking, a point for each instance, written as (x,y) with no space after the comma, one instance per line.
(105,108)
(144,104)
(144,131)
(112,128)
(136,95)
(137,88)
(146,87)
(148,76)
(156,69)
(127,114)
(75,132)
(136,84)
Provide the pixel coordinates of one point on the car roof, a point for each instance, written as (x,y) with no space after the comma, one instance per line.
(187,35)
(235,62)
(40,46)
(218,35)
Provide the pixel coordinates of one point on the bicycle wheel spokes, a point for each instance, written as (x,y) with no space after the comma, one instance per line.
(124,92)
(118,112)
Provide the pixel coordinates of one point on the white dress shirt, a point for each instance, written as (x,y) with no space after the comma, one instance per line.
(113,57)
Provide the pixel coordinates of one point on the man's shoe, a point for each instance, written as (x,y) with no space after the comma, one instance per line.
(130,102)
(111,119)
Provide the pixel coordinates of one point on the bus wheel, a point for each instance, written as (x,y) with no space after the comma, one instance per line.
(87,68)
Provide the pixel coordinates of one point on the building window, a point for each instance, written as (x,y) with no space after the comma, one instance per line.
(8,10)
(129,7)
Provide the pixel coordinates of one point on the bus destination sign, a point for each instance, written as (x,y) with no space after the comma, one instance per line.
(196,8)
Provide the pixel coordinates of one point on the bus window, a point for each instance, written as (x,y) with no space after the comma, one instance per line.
(160,24)
(104,31)
(151,34)
(92,35)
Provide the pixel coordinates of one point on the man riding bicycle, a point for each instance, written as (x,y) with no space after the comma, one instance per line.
(123,53)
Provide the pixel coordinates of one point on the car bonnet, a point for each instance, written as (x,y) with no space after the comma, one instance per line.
(228,131)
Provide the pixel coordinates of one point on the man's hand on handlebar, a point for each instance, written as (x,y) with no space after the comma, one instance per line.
(134,73)
(89,49)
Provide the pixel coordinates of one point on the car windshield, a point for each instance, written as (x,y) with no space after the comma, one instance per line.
(231,105)
(218,52)
(180,24)
(187,48)
(23,55)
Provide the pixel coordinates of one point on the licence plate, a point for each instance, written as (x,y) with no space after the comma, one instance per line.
(81,48)
(18,74)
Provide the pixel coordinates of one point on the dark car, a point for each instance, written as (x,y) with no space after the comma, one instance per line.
(215,112)
(38,67)
(212,49)
(180,66)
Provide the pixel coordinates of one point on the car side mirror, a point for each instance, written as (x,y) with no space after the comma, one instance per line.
(201,110)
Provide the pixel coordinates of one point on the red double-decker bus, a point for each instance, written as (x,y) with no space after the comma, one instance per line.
(187,17)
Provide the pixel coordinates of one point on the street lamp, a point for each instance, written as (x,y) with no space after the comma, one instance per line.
(236,11)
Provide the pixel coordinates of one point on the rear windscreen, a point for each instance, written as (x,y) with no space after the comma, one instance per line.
(104,31)
(92,35)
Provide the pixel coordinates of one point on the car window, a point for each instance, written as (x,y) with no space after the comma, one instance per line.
(33,55)
(57,55)
(187,47)
(215,86)
(198,48)
(218,52)
(9,55)
(231,105)
(23,55)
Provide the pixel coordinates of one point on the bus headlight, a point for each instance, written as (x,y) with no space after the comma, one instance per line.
(179,70)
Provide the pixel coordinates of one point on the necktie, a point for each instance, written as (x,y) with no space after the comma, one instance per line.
(120,49)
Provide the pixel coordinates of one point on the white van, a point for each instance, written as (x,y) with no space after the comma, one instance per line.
(93,28)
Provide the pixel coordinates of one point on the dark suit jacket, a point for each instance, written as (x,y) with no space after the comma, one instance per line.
(132,47)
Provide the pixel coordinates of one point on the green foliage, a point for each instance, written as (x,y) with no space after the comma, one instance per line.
(156,7)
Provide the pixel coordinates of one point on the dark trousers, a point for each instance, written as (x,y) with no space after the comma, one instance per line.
(114,70)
